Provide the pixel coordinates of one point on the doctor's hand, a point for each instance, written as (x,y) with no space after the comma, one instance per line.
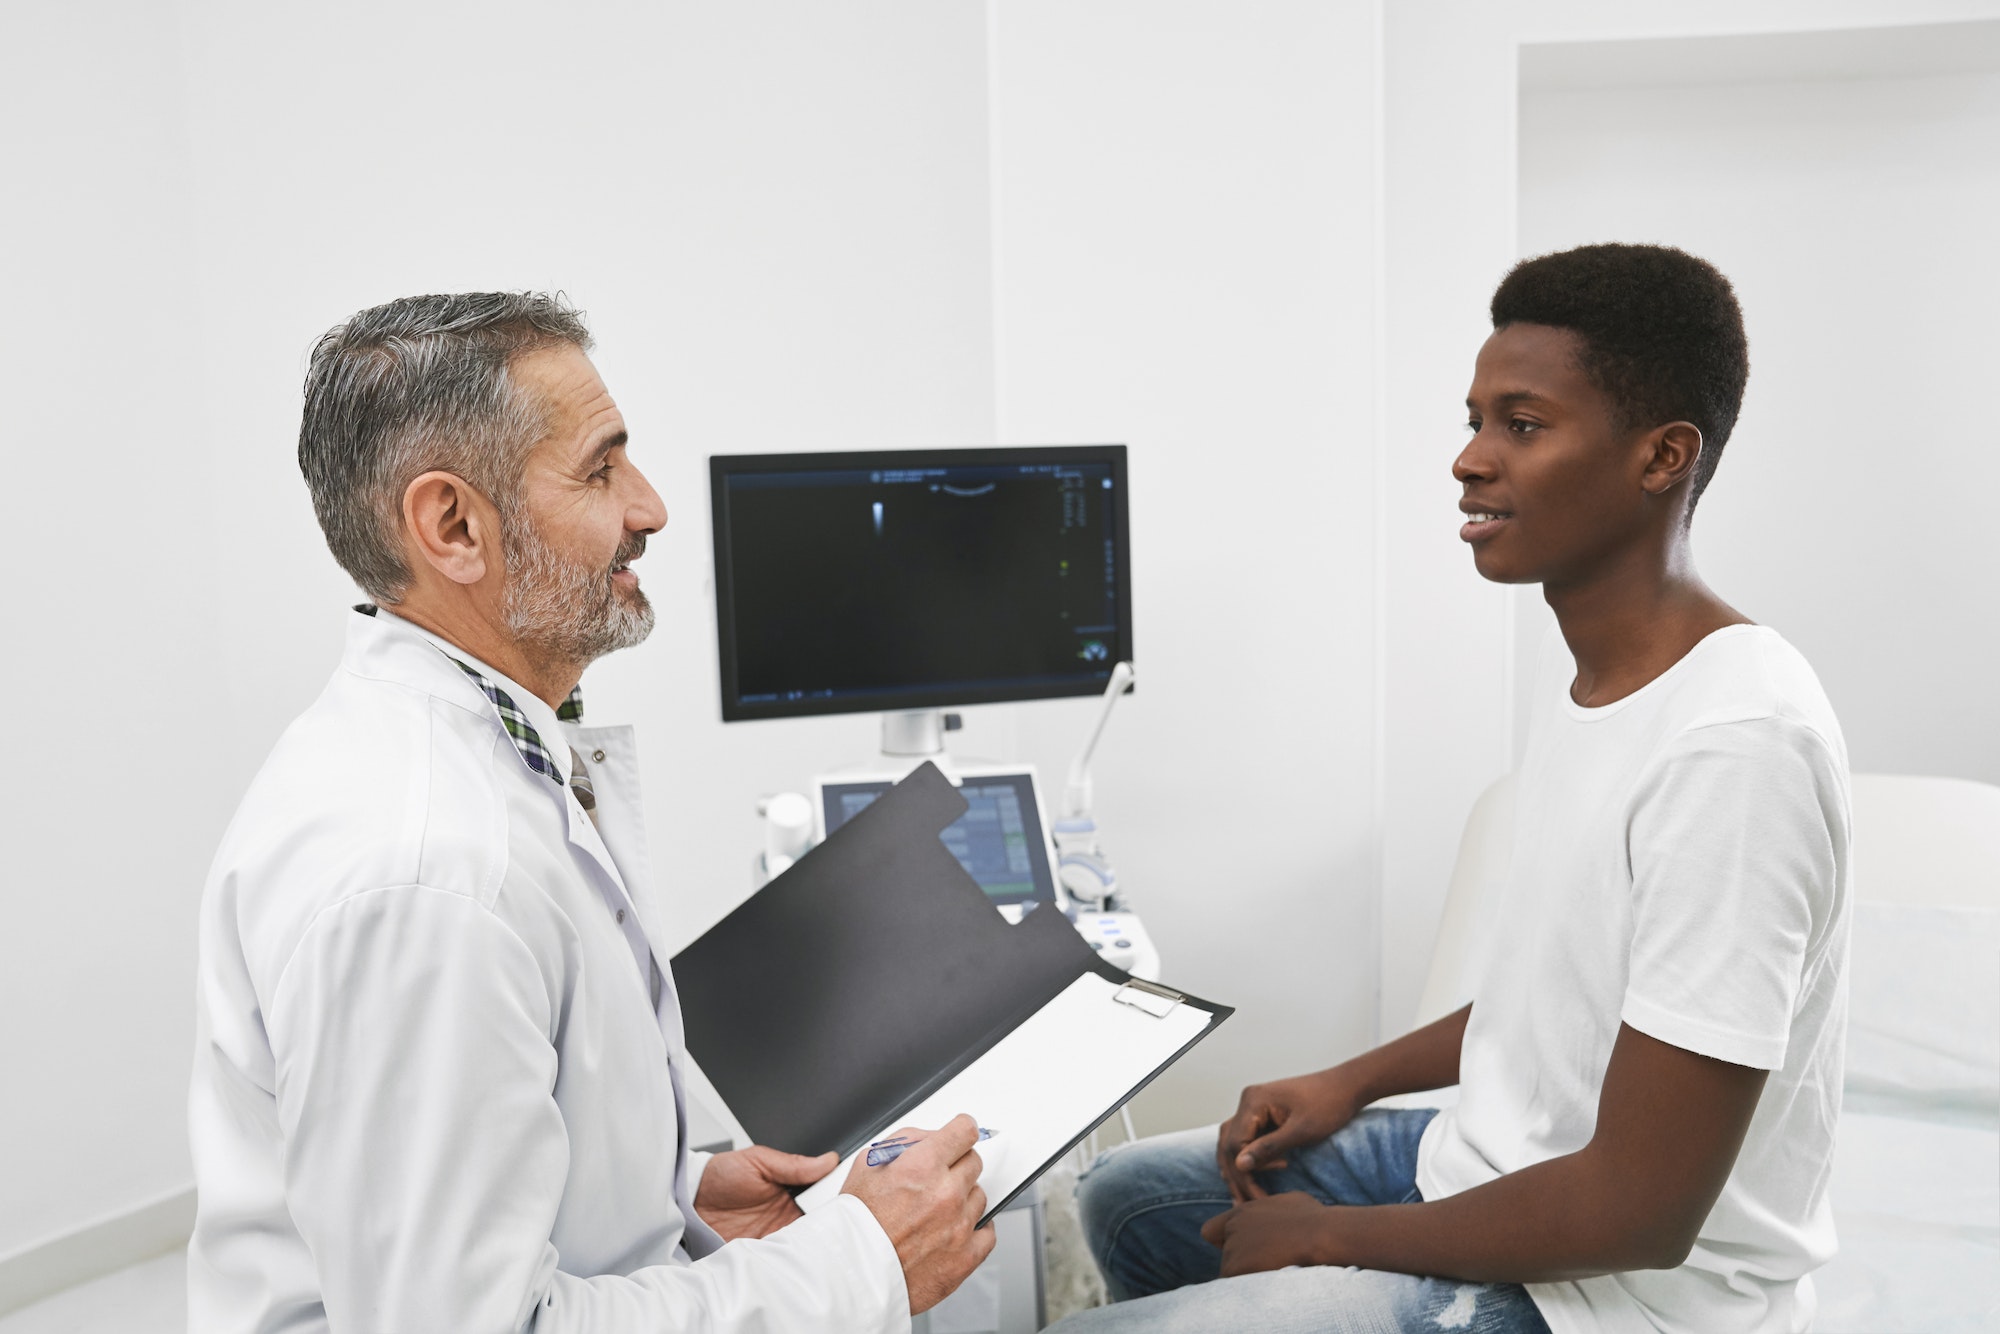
(929,1202)
(748,1192)
(1273,1119)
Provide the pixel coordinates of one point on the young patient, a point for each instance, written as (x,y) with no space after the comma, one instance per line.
(1650,1068)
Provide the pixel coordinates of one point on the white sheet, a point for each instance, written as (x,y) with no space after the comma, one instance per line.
(1924,1004)
(1045,1084)
(1916,1201)
(1916,1157)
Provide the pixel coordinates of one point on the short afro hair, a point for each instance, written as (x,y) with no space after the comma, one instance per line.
(1661,330)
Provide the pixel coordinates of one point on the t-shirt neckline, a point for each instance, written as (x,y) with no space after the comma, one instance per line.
(1595,713)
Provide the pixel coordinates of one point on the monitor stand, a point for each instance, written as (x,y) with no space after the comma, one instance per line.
(917,733)
(913,735)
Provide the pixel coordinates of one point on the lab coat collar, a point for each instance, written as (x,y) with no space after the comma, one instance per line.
(441,677)
(384,646)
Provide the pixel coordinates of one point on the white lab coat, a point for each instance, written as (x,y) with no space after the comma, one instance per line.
(431,1089)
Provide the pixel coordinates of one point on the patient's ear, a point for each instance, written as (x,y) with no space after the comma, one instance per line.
(450,527)
(1676,450)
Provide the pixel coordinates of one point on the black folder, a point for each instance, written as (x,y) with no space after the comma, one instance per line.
(860,981)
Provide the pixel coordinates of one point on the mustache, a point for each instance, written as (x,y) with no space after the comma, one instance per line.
(630,549)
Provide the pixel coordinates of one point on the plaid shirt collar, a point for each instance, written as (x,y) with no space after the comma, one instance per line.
(526,739)
(519,730)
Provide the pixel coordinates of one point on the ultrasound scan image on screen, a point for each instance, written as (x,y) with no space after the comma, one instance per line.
(908,582)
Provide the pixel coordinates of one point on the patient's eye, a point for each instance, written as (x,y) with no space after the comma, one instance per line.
(1523,426)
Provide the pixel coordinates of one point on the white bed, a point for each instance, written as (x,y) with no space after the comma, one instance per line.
(1916,1174)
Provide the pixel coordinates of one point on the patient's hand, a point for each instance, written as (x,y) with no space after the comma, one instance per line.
(1273,1119)
(1270,1233)
(748,1192)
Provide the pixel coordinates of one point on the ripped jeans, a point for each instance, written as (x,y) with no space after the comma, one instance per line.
(1143,1206)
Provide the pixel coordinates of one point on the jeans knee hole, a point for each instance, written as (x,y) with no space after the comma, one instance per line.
(1464,1306)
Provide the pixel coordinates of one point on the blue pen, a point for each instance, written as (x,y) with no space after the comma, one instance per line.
(889,1150)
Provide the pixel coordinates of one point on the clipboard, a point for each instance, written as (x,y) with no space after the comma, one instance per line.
(872,985)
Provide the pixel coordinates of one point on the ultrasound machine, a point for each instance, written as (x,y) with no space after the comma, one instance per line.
(907,583)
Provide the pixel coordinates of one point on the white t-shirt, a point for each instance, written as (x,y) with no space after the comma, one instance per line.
(1680,865)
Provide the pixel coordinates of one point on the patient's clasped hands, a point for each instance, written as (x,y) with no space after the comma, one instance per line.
(1272,1119)
(1266,1231)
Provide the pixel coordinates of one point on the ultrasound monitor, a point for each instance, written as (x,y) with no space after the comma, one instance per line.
(999,840)
(924,579)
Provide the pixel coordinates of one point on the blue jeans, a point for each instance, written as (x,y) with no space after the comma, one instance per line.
(1143,1206)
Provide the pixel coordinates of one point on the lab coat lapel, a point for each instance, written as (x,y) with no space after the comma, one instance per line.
(616,841)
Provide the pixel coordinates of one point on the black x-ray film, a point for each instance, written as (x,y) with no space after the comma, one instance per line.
(865,977)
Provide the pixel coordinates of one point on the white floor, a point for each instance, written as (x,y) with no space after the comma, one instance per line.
(1919,1218)
(149,1298)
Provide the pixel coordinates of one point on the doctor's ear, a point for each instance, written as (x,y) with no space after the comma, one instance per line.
(451,527)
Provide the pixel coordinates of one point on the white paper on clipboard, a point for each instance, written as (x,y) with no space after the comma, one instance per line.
(1052,1079)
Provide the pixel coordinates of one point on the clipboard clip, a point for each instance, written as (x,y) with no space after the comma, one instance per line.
(1148,997)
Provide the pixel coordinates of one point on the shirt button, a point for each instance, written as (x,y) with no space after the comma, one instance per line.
(621,917)
(597,755)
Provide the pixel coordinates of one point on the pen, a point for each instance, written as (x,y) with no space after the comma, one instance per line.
(884,1151)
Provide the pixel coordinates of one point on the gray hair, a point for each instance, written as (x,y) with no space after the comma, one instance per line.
(421,385)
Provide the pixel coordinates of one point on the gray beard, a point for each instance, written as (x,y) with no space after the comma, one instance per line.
(561,610)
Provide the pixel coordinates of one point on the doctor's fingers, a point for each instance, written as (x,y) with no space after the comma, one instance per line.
(956,1136)
(948,1145)
(965,1172)
(792,1169)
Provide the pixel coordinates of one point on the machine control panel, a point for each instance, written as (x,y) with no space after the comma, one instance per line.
(1121,938)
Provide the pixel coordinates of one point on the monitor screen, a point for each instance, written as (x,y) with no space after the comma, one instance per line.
(998,840)
(919,579)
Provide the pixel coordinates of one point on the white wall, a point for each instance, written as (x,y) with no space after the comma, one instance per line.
(118,773)
(1449,213)
(1856,217)
(1184,239)
(776,214)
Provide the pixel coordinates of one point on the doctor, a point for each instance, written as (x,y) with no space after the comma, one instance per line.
(437,1083)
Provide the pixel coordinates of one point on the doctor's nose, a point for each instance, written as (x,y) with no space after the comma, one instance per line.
(647,512)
